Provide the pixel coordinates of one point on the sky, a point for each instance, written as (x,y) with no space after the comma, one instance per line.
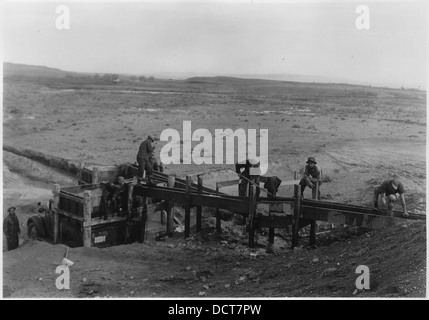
(225,38)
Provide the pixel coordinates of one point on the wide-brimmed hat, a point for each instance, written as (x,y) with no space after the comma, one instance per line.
(394,183)
(10,208)
(311,160)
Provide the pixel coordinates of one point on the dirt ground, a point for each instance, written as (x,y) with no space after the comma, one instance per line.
(359,136)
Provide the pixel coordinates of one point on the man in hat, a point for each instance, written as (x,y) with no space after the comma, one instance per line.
(11,229)
(245,175)
(116,192)
(143,158)
(312,175)
(390,191)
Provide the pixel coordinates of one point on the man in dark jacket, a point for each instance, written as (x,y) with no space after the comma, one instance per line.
(11,229)
(312,175)
(390,191)
(245,175)
(116,192)
(143,158)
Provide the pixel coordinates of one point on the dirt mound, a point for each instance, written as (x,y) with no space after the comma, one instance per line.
(212,265)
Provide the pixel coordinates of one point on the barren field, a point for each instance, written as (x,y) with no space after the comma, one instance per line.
(359,135)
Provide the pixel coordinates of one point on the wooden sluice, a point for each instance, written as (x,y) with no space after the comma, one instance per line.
(263,212)
(260,212)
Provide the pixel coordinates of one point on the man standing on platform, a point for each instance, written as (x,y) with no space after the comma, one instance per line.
(143,159)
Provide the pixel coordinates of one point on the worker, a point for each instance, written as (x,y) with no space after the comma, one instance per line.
(390,191)
(11,229)
(312,175)
(271,184)
(116,193)
(143,158)
(41,208)
(245,175)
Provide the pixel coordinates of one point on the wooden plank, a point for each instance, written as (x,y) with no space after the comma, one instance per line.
(218,221)
(188,207)
(100,221)
(229,183)
(199,208)
(296,215)
(70,215)
(251,215)
(73,197)
(289,183)
(87,212)
(170,210)
(56,193)
(237,204)
(313,225)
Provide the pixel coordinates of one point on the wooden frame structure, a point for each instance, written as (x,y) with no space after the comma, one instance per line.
(277,212)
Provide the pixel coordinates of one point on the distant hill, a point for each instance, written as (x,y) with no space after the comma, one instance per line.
(13,69)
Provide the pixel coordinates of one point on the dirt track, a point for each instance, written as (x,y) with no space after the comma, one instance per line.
(359,135)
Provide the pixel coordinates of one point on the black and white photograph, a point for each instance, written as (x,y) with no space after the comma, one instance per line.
(214,150)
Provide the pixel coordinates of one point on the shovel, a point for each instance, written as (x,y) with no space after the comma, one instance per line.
(67,262)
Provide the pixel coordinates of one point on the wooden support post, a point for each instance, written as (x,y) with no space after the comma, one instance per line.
(130,197)
(80,173)
(315,191)
(296,213)
(251,215)
(170,208)
(218,221)
(188,207)
(95,175)
(270,237)
(87,212)
(199,208)
(295,175)
(143,218)
(270,247)
(56,193)
(313,225)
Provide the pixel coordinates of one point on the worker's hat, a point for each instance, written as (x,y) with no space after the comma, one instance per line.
(10,209)
(311,160)
(394,183)
(151,138)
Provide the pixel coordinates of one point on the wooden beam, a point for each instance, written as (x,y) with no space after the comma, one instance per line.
(218,221)
(296,215)
(87,212)
(56,193)
(99,221)
(252,203)
(188,207)
(95,175)
(229,183)
(313,225)
(199,208)
(233,203)
(170,208)
(70,215)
